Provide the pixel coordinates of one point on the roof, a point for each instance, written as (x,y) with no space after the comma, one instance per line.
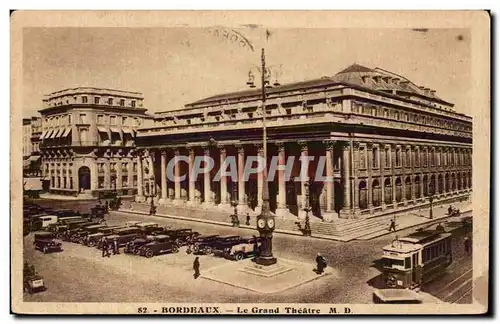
(354,75)
(420,236)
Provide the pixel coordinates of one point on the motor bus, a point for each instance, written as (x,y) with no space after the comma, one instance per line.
(410,261)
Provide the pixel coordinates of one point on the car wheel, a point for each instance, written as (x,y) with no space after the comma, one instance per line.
(238,256)
(208,250)
(91,243)
(149,254)
(175,249)
(196,249)
(178,242)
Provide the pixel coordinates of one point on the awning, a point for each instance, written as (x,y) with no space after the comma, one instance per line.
(59,132)
(66,132)
(54,133)
(115,130)
(127,130)
(48,133)
(34,158)
(102,129)
(43,134)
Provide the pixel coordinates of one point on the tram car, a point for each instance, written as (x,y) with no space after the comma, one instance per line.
(415,259)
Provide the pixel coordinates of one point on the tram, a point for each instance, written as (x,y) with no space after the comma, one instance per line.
(417,258)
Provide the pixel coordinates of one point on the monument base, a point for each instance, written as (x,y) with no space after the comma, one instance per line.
(267,271)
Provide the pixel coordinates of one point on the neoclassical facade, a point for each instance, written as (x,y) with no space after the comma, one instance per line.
(88,138)
(389,145)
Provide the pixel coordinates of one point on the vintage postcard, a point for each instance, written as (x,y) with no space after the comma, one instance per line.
(250,163)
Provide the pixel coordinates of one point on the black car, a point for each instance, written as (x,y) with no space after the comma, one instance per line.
(133,247)
(80,234)
(45,242)
(70,229)
(61,213)
(182,236)
(161,244)
(200,244)
(94,239)
(220,246)
(122,235)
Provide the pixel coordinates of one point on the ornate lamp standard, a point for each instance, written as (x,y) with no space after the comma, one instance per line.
(265,221)
(235,221)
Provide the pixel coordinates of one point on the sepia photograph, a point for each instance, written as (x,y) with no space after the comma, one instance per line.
(250,163)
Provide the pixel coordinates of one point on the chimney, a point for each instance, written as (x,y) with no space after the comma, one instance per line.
(395,80)
(404,82)
(377,78)
(386,79)
(421,88)
(427,91)
(433,92)
(365,78)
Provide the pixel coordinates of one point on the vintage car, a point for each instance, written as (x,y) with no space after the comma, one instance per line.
(80,234)
(220,246)
(132,223)
(98,211)
(182,236)
(161,244)
(210,246)
(32,281)
(65,213)
(122,235)
(199,245)
(94,239)
(134,246)
(246,248)
(45,242)
(66,231)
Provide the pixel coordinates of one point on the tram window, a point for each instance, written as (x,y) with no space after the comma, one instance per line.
(391,262)
(407,263)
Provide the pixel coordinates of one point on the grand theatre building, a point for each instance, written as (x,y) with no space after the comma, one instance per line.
(389,144)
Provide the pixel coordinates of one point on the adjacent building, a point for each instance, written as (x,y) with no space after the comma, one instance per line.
(88,138)
(32,129)
(389,146)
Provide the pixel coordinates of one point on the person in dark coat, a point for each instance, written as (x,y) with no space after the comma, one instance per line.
(116,248)
(440,228)
(467,244)
(196,267)
(320,263)
(392,226)
(105,247)
(248,219)
(450,210)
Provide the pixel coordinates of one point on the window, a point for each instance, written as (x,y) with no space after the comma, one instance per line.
(133,103)
(375,157)
(96,100)
(110,101)
(122,102)
(396,116)
(407,263)
(408,158)
(124,121)
(362,158)
(112,120)
(398,157)
(69,119)
(432,156)
(84,99)
(100,119)
(416,157)
(83,118)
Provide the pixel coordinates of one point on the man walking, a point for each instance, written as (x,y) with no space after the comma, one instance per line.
(196,267)
(105,251)
(392,226)
(320,263)
(116,248)
(248,219)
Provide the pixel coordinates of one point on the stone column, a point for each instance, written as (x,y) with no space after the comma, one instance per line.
(303,153)
(436,184)
(130,172)
(421,186)
(393,164)
(260,181)
(163,180)
(382,190)
(177,181)
(329,214)
(347,209)
(241,179)
(107,174)
(224,203)
(119,184)
(192,180)
(369,185)
(93,175)
(140,192)
(207,184)
(281,209)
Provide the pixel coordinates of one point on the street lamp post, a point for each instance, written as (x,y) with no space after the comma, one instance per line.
(235,221)
(307,209)
(265,221)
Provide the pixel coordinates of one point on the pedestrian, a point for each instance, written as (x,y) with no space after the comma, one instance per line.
(450,210)
(104,247)
(467,244)
(248,219)
(440,228)
(196,267)
(392,226)
(116,248)
(320,263)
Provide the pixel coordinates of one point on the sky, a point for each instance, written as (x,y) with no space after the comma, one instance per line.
(176,66)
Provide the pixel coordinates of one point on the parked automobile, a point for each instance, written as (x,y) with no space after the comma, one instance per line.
(45,242)
(134,246)
(161,244)
(218,247)
(94,239)
(98,211)
(60,230)
(200,244)
(47,220)
(65,213)
(122,235)
(80,234)
(182,236)
(32,281)
(71,229)
(247,248)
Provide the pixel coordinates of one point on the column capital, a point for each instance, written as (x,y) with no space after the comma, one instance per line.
(241,149)
(206,151)
(280,146)
(177,151)
(260,148)
(346,146)
(329,143)
(303,145)
(163,153)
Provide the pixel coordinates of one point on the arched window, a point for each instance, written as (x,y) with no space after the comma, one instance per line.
(408,188)
(388,191)
(416,186)
(376,193)
(363,197)
(399,194)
